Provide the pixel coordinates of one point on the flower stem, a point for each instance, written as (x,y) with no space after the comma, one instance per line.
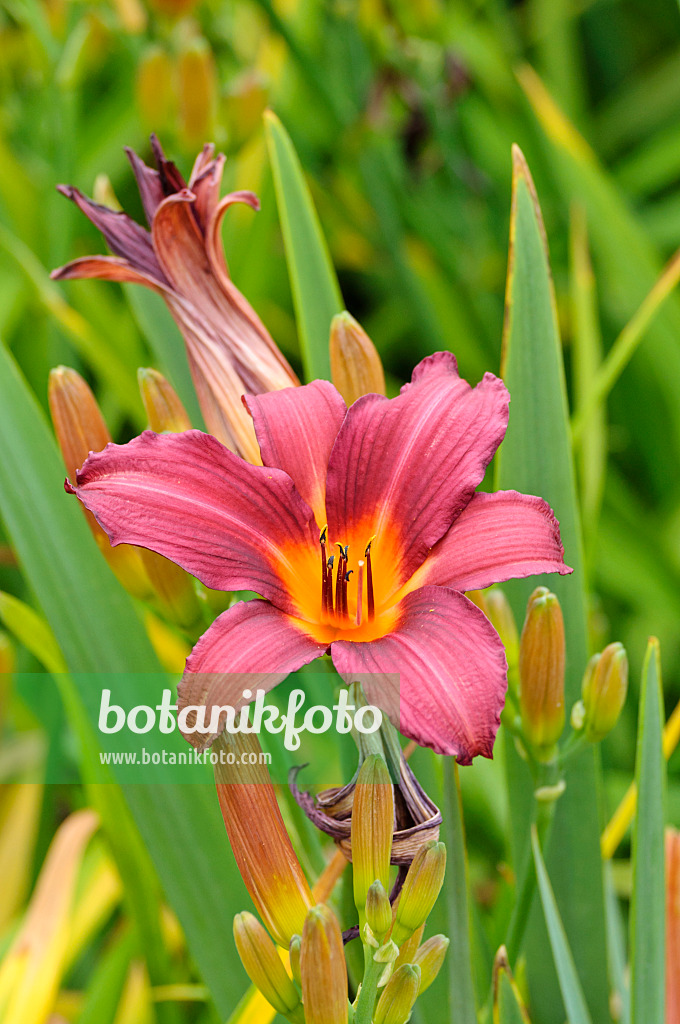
(365,1004)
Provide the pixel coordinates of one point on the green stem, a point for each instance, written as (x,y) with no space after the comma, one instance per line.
(365,1004)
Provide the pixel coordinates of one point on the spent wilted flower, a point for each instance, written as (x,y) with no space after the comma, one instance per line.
(361,531)
(230,350)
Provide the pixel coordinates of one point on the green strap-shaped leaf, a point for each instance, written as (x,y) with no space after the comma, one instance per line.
(462,1006)
(570,986)
(316,293)
(536,458)
(648,903)
(98,631)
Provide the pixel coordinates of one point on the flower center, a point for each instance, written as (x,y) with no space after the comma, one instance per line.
(334,603)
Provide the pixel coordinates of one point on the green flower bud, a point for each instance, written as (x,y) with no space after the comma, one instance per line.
(541,673)
(263,966)
(295,945)
(372,829)
(378,910)
(429,958)
(422,886)
(605,684)
(499,613)
(401,992)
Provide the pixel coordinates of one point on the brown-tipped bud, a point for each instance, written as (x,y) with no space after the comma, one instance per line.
(261,845)
(401,992)
(372,829)
(294,954)
(164,409)
(356,368)
(323,969)
(155,88)
(378,910)
(263,966)
(541,673)
(197,91)
(430,958)
(80,429)
(604,689)
(500,615)
(422,887)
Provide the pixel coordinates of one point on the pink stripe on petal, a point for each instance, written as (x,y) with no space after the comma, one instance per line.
(252,646)
(440,676)
(189,498)
(500,536)
(404,468)
(296,429)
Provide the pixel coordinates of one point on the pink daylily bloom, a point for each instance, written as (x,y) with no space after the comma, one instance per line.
(230,350)
(360,531)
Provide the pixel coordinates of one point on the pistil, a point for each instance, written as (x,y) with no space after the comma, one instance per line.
(360,591)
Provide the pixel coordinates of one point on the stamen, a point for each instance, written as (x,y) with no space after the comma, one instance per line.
(370,600)
(324,588)
(339,584)
(360,591)
(329,588)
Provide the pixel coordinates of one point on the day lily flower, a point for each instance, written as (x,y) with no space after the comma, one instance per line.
(230,350)
(360,531)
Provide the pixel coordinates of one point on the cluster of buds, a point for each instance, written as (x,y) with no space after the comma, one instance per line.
(314,986)
(536,711)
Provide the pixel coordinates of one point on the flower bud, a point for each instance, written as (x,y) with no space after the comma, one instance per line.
(430,958)
(261,845)
(163,406)
(603,692)
(409,948)
(356,368)
(294,953)
(541,673)
(197,91)
(372,829)
(155,89)
(378,910)
(80,429)
(263,966)
(499,613)
(422,886)
(323,969)
(401,992)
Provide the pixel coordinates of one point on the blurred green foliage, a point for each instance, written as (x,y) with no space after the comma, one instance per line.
(403,115)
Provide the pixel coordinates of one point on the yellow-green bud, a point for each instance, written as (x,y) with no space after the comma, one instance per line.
(541,673)
(164,409)
(604,689)
(263,966)
(378,910)
(430,958)
(323,969)
(401,992)
(295,946)
(499,613)
(356,368)
(372,830)
(422,886)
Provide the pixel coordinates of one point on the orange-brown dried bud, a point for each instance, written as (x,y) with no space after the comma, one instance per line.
(541,673)
(323,969)
(356,368)
(261,845)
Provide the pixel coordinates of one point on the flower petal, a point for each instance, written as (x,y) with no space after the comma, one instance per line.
(404,468)
(296,429)
(148,182)
(252,646)
(440,676)
(107,268)
(189,498)
(500,536)
(123,235)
